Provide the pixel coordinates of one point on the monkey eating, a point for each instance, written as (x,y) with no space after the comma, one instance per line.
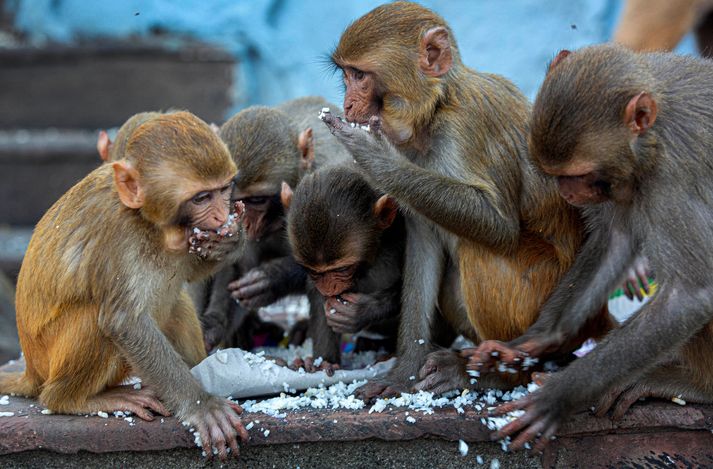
(629,138)
(100,293)
(487,236)
(350,240)
(269,146)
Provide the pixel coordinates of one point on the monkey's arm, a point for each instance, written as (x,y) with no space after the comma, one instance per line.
(475,210)
(215,316)
(268,282)
(151,356)
(424,266)
(655,333)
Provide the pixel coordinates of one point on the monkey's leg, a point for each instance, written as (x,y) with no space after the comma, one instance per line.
(183,330)
(83,363)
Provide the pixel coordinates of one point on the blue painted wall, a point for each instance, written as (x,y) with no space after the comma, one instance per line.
(281,44)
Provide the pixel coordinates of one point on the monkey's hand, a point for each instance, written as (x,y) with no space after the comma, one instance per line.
(313,365)
(520,354)
(367,143)
(538,415)
(254,289)
(216,245)
(345,313)
(637,279)
(218,424)
(214,326)
(443,371)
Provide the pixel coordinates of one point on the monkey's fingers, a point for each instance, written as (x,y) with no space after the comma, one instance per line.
(206,444)
(370,390)
(152,403)
(540,377)
(329,367)
(297,363)
(375,125)
(508,407)
(351,297)
(309,365)
(251,290)
(217,437)
(332,121)
(643,275)
(606,402)
(234,405)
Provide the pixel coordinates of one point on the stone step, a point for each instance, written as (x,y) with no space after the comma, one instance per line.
(100,85)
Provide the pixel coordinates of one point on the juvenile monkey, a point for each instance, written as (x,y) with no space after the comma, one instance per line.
(629,137)
(100,292)
(269,146)
(487,235)
(350,240)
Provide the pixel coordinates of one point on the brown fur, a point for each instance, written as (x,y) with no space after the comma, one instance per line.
(100,296)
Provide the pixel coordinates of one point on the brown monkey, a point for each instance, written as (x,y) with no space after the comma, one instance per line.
(630,137)
(350,240)
(100,292)
(114,151)
(269,146)
(487,235)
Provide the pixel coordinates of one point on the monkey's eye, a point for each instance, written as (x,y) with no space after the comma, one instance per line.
(342,269)
(201,198)
(358,75)
(258,200)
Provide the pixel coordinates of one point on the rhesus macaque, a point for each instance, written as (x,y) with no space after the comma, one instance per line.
(269,146)
(350,240)
(487,235)
(629,137)
(100,293)
(114,151)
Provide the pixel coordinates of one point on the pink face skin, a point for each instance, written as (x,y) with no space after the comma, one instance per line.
(360,99)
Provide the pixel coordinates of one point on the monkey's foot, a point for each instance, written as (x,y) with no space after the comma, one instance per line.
(443,371)
(313,365)
(127,398)
(620,399)
(380,388)
(493,355)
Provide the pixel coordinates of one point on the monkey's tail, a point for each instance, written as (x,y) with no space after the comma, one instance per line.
(18,383)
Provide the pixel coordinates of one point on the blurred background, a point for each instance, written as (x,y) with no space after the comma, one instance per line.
(71,67)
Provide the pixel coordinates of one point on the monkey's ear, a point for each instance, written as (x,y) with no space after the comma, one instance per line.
(286,195)
(103,145)
(126,179)
(305,143)
(435,58)
(563,54)
(385,210)
(640,113)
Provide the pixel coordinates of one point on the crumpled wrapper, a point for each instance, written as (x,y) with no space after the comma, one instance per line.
(229,373)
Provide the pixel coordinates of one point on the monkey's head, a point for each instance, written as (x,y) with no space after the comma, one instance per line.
(267,150)
(178,174)
(114,151)
(334,224)
(395,62)
(591,124)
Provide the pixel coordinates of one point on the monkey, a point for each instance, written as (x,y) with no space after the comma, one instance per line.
(100,292)
(487,236)
(628,137)
(269,146)
(349,238)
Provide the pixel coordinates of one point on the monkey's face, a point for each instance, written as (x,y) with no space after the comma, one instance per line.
(264,213)
(361,99)
(208,209)
(333,281)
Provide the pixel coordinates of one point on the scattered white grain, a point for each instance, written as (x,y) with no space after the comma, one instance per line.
(266,433)
(678,400)
(479,459)
(249,426)
(332,310)
(318,361)
(463,448)
(411,378)
(495,464)
(103,415)
(5,400)
(410,419)
(7,414)
(47,412)
(137,386)
(421,341)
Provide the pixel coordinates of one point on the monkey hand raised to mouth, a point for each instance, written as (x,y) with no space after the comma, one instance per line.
(215,244)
